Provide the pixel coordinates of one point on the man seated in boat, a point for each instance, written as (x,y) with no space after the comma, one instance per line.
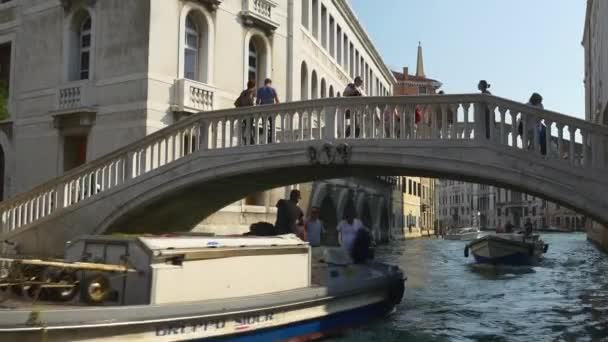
(528,229)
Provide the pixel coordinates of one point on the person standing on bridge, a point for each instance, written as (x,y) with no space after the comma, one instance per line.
(483,86)
(352,89)
(267,95)
(536,100)
(247,99)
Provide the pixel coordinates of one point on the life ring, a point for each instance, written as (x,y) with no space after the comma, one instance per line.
(466,251)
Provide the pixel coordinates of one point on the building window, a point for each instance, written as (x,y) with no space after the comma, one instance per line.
(191,49)
(324,27)
(85,48)
(252,67)
(5,82)
(339,45)
(332,36)
(357,65)
(258,61)
(304,82)
(351,61)
(323,88)
(315,18)
(305,10)
(314,86)
(409,187)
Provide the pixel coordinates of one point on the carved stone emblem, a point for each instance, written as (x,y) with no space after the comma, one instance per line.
(328,154)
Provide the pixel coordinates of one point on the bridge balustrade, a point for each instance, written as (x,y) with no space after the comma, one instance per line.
(484,119)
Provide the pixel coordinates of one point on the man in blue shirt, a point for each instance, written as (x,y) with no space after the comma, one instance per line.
(267,94)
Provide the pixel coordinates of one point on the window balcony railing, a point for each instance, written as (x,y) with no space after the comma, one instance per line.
(74,96)
(260,12)
(193,97)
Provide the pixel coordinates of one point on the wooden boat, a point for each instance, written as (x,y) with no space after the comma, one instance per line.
(208,289)
(507,249)
(464,234)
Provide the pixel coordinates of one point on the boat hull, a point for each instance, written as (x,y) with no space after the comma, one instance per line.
(495,250)
(299,315)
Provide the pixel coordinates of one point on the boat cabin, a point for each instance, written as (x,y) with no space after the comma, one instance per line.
(175,269)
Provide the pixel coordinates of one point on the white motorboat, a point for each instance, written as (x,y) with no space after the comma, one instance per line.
(507,249)
(464,234)
(201,288)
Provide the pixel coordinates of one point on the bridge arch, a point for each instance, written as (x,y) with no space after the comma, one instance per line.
(261,169)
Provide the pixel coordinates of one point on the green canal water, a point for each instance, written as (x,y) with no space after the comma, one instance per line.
(565,298)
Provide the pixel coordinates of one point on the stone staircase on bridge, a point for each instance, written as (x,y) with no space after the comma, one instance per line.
(570,143)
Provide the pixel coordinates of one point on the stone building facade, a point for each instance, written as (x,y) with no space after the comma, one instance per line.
(595,42)
(461,204)
(418,206)
(87,77)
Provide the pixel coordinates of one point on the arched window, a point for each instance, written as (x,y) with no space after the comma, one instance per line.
(191,49)
(304,82)
(258,64)
(252,67)
(323,88)
(338,94)
(314,86)
(331,91)
(85,48)
(196,42)
(79,47)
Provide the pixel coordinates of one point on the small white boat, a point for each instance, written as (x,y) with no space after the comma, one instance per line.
(463,234)
(208,289)
(507,249)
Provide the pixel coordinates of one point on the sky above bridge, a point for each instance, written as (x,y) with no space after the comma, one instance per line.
(519,46)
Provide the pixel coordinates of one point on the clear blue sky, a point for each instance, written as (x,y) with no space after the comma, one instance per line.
(519,46)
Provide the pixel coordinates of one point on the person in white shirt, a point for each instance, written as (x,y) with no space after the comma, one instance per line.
(348,228)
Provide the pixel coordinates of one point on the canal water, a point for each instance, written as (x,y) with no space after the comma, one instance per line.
(563,299)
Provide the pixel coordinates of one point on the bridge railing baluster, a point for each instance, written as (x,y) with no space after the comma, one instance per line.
(572,151)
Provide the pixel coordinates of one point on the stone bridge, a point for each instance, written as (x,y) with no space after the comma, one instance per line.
(176,177)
